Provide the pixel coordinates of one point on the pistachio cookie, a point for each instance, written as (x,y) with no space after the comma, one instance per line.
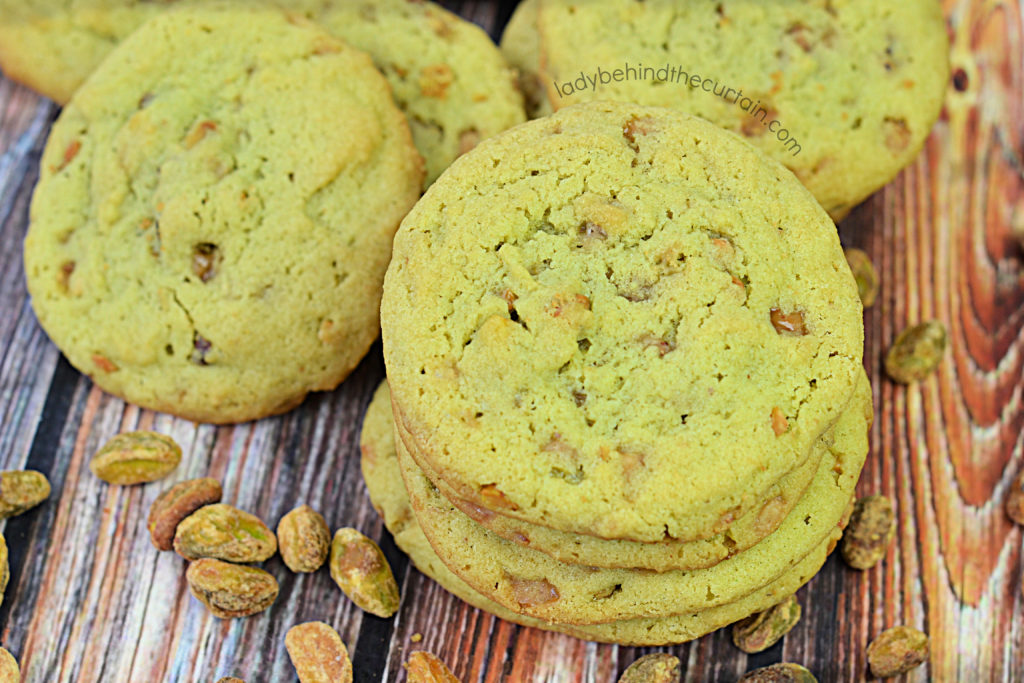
(446,74)
(641,325)
(742,533)
(382,475)
(53,45)
(215,213)
(505,571)
(843,93)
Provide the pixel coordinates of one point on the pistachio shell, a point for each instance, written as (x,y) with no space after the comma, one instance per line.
(177,503)
(229,590)
(659,667)
(760,631)
(226,533)
(869,532)
(303,539)
(136,458)
(784,672)
(865,275)
(362,572)
(896,651)
(9,670)
(318,654)
(21,491)
(916,353)
(424,667)
(5,568)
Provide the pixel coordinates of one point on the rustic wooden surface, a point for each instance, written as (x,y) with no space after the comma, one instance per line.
(91,600)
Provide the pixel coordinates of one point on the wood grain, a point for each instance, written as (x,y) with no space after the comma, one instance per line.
(91,600)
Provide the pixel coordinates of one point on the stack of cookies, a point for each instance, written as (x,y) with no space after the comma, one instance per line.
(626,396)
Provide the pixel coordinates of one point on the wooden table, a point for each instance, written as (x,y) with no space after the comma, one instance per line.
(91,600)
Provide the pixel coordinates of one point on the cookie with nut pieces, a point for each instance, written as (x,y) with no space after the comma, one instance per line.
(843,94)
(215,213)
(533,583)
(382,474)
(764,518)
(447,76)
(639,294)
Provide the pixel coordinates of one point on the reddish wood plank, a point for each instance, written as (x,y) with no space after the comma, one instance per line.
(92,600)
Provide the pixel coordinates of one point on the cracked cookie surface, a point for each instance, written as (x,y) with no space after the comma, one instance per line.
(856,86)
(642,323)
(382,475)
(215,212)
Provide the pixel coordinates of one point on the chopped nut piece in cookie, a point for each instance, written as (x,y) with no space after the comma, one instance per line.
(771,515)
(70,152)
(529,592)
(564,459)
(800,35)
(468,139)
(591,230)
(205,258)
(756,124)
(571,307)
(104,363)
(662,345)
(791,323)
(435,80)
(198,132)
(493,497)
(200,347)
(64,275)
(780,425)
(474,511)
(897,134)
(636,127)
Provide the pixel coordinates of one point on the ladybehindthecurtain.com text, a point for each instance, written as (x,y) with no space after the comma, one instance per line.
(674,74)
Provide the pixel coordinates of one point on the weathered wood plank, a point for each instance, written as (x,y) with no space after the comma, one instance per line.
(91,600)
